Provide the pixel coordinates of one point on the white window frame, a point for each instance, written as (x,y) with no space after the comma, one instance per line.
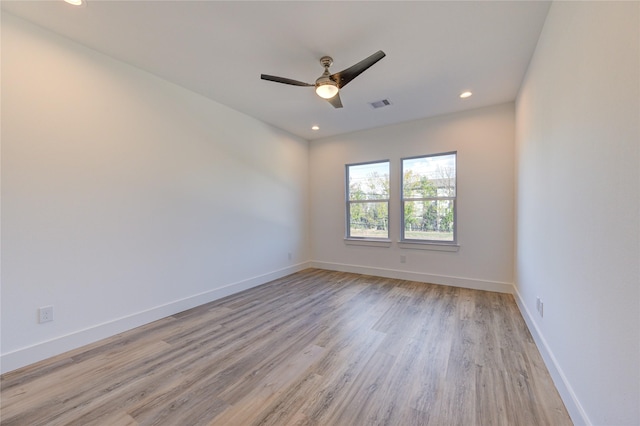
(414,242)
(360,240)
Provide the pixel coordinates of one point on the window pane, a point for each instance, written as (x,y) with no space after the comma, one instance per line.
(428,220)
(370,220)
(433,176)
(369,181)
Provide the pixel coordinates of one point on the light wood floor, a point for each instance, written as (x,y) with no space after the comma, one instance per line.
(314,348)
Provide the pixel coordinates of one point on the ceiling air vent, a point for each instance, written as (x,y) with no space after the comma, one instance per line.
(380,104)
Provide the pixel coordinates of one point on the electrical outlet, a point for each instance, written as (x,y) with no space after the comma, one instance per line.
(45,314)
(403,258)
(290,256)
(540,306)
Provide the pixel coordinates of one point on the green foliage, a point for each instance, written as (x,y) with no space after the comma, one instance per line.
(369,218)
(425,214)
(446,221)
(418,186)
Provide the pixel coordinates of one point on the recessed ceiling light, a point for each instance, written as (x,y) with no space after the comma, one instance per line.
(464,95)
(315,128)
(76,2)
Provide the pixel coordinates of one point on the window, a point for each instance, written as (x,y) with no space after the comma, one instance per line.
(368,200)
(429,198)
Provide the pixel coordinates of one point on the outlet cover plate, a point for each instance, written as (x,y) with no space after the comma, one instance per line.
(45,314)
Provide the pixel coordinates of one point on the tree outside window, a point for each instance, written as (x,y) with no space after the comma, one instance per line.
(429,198)
(368,200)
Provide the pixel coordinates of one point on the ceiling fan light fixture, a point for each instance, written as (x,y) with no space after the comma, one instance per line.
(326,89)
(76,2)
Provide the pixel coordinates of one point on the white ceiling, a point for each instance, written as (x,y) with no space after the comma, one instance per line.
(435,50)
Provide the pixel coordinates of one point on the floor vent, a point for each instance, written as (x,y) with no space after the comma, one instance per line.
(380,104)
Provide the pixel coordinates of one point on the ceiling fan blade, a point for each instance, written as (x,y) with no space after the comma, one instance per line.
(284,80)
(342,78)
(335,101)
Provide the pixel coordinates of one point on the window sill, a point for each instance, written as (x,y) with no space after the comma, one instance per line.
(428,246)
(367,242)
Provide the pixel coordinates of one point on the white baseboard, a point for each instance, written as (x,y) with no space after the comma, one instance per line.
(571,402)
(472,283)
(28,355)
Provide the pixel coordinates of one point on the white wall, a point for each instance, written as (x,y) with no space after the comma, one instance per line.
(578,214)
(484,140)
(126,198)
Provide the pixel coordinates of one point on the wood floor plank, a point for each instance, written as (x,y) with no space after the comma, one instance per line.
(74,388)
(313,348)
(337,378)
(286,409)
(491,401)
(363,395)
(263,393)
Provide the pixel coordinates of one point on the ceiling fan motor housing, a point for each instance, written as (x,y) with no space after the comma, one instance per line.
(326,61)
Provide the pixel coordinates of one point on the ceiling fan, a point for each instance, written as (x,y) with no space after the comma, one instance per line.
(328,85)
